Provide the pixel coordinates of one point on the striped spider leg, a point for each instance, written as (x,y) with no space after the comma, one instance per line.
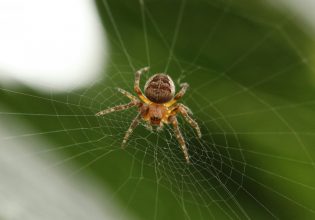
(134,102)
(184,111)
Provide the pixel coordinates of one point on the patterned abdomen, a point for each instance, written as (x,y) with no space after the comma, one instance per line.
(159,88)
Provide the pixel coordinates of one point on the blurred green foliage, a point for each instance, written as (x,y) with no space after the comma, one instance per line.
(252,90)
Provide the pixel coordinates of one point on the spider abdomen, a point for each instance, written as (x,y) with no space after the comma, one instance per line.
(159,88)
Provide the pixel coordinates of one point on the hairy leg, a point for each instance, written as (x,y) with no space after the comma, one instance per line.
(179,136)
(179,95)
(182,91)
(132,126)
(127,94)
(185,111)
(137,84)
(117,108)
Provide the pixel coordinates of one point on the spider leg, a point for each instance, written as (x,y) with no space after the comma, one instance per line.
(132,126)
(185,111)
(179,95)
(179,136)
(117,108)
(127,94)
(137,84)
(182,91)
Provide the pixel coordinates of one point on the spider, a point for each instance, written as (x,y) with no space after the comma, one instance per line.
(157,106)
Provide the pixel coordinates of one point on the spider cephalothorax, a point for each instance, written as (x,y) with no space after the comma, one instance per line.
(157,106)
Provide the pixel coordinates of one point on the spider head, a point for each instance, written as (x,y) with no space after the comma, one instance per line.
(154,120)
(159,88)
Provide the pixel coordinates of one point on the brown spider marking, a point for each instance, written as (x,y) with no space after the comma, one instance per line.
(157,106)
(159,88)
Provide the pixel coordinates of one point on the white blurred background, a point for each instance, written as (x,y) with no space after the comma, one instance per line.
(302,11)
(51,45)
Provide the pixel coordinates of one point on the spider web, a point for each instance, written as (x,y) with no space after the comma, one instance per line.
(255,159)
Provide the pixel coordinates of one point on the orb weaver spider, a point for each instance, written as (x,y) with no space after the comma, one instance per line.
(157,106)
